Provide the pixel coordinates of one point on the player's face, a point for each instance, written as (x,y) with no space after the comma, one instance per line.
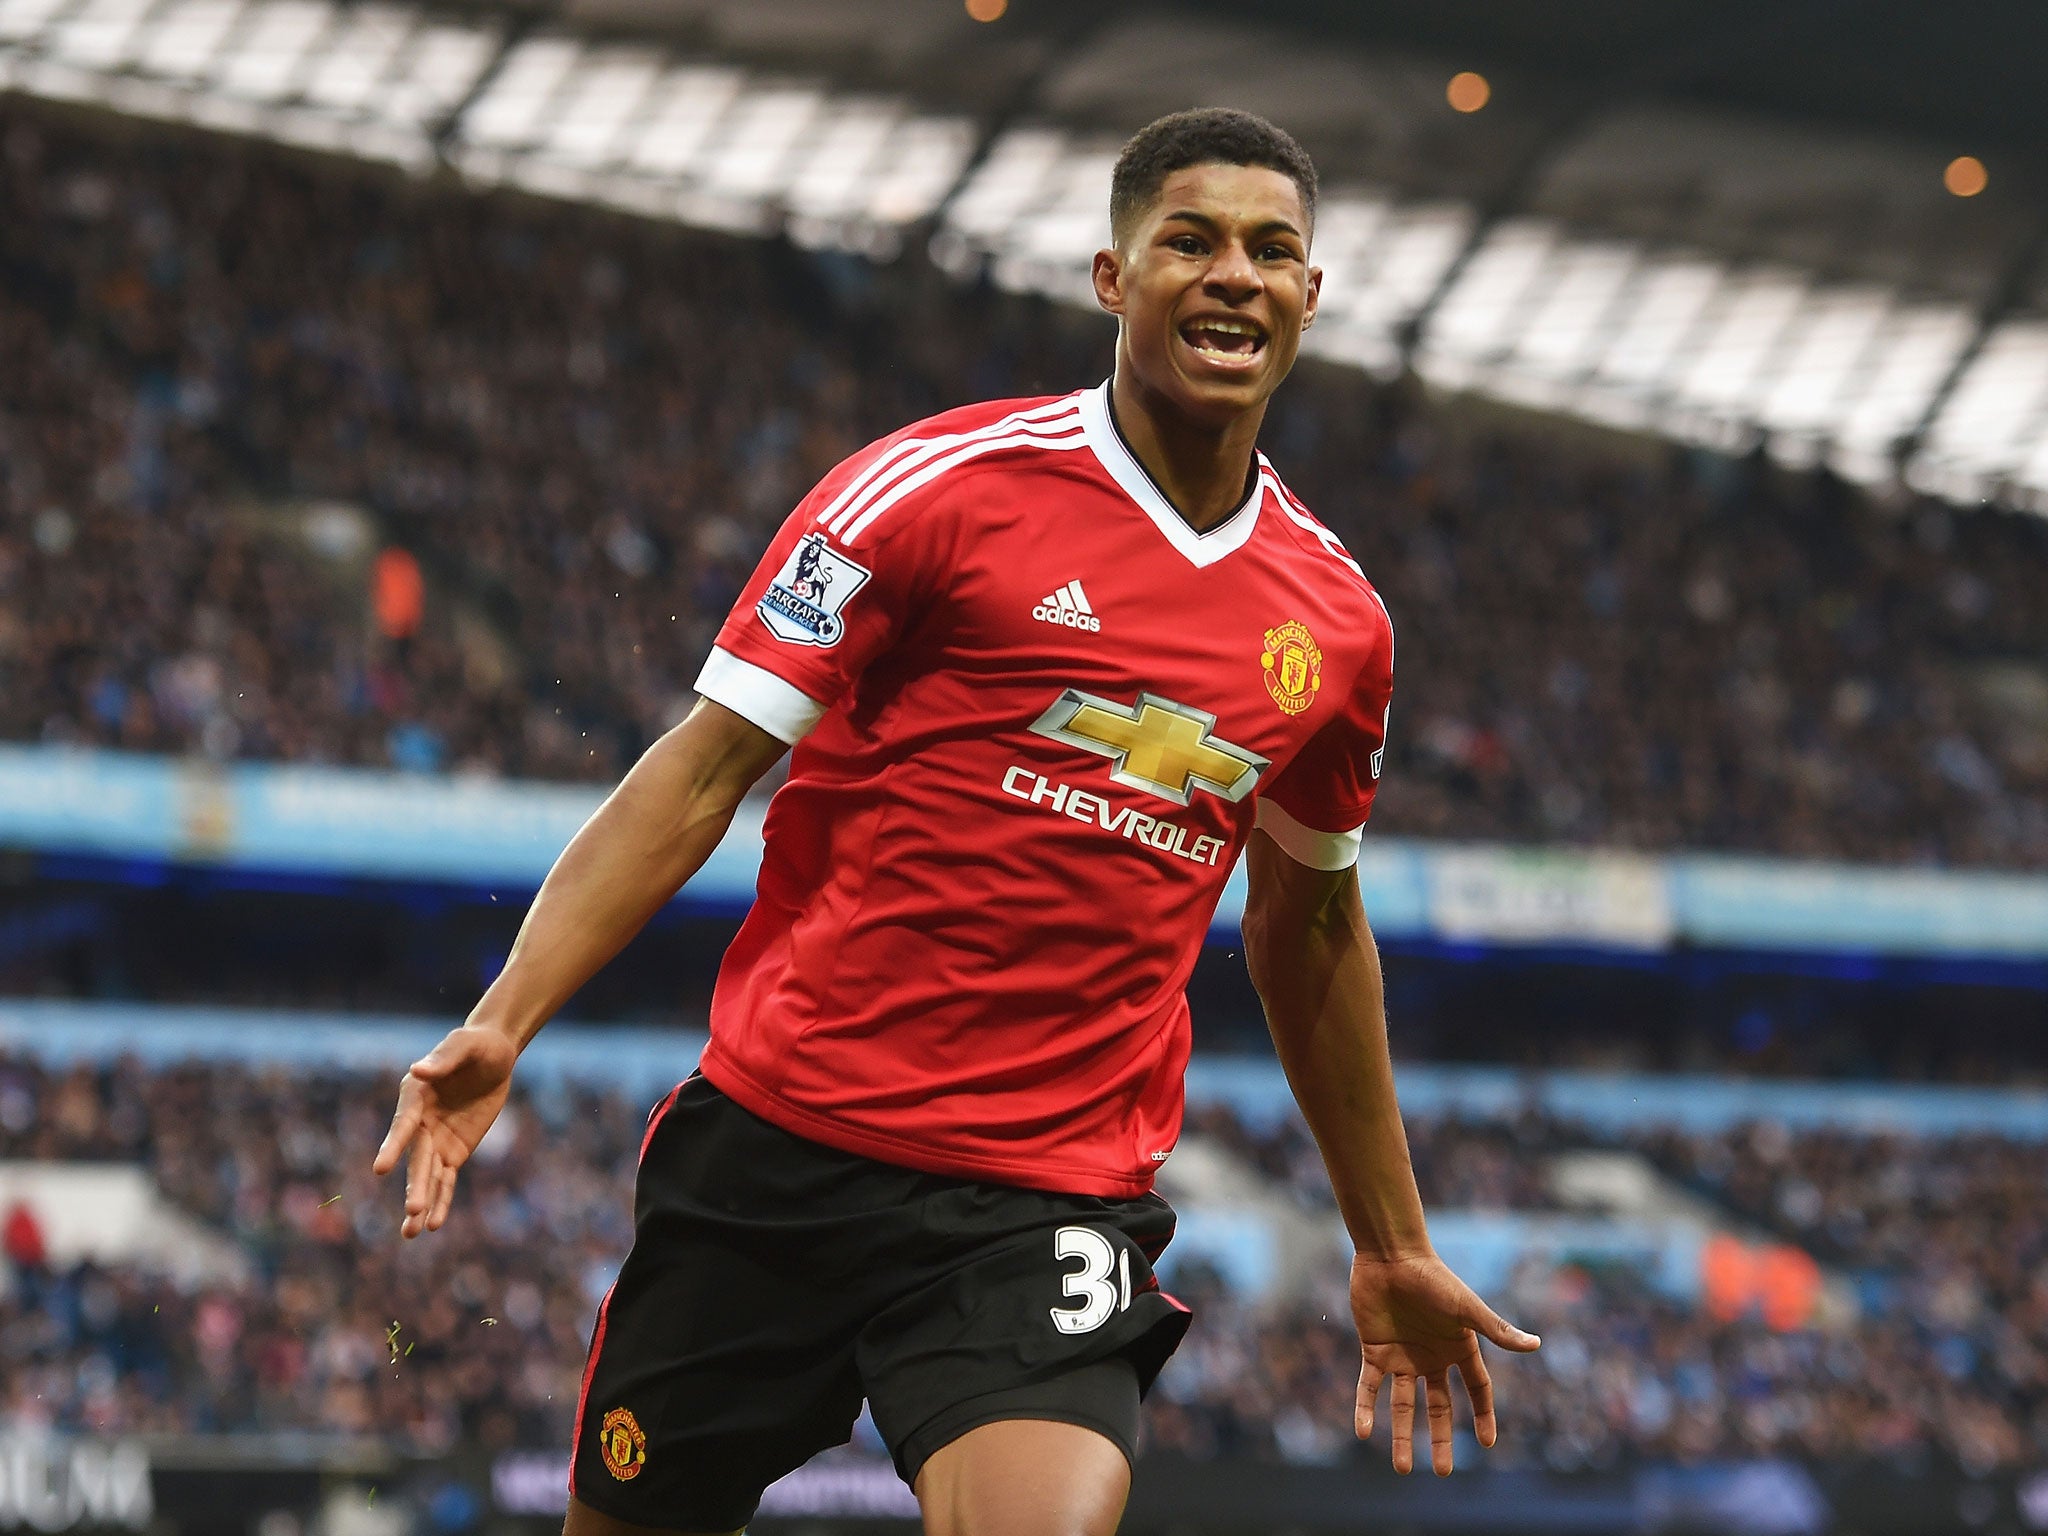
(1213,288)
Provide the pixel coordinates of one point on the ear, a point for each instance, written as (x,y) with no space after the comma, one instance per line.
(1315,295)
(1107,274)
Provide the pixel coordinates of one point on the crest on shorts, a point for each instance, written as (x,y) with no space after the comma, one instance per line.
(622,1444)
(1294,666)
(802,603)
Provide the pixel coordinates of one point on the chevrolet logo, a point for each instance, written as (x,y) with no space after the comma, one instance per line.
(1157,745)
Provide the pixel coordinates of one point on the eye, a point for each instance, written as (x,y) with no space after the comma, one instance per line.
(1276,253)
(1187,245)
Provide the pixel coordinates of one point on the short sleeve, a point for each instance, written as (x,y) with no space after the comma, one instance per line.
(1317,808)
(818,609)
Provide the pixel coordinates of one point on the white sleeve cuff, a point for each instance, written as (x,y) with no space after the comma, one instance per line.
(1305,845)
(780,708)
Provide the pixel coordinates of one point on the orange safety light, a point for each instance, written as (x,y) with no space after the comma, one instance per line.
(1788,1285)
(398,593)
(1727,1277)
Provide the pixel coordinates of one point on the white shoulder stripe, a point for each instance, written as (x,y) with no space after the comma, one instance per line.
(932,458)
(754,693)
(1301,519)
(910,453)
(1075,438)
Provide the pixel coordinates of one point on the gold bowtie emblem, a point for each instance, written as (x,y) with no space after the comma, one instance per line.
(1156,745)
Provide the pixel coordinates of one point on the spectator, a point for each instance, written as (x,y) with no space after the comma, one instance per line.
(21,1237)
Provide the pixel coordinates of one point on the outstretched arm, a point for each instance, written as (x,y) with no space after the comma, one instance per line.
(1317,970)
(650,836)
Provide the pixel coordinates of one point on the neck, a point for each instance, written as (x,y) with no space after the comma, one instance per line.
(1203,470)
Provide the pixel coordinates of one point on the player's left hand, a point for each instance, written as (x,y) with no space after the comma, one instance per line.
(1417,1322)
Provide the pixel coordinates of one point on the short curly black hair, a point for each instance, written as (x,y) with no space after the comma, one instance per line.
(1202,136)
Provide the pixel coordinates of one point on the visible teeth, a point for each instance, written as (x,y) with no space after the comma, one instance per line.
(1229,327)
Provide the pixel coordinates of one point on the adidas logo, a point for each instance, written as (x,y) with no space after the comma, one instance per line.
(1068,606)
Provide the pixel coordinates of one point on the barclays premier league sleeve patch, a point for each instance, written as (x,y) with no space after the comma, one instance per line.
(802,603)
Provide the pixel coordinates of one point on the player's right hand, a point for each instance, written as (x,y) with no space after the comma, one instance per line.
(448,1100)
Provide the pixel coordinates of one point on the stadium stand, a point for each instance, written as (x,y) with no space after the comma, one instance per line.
(306,1346)
(410,386)
(475,1337)
(1940,1236)
(584,426)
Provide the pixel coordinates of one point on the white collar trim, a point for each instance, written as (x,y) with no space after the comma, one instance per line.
(1200,549)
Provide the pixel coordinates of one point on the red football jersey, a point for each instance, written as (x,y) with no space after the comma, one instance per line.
(1036,716)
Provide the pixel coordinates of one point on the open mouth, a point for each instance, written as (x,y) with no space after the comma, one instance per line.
(1221,339)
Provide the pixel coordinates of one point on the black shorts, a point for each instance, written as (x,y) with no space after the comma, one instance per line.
(775,1283)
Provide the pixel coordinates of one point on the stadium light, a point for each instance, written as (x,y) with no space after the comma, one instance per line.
(436,69)
(692,104)
(596,102)
(1484,312)
(509,112)
(21,20)
(1732,351)
(1564,327)
(98,34)
(1820,364)
(1914,352)
(185,40)
(765,136)
(987,10)
(1965,176)
(1990,430)
(1467,91)
(925,160)
(849,144)
(266,60)
(347,73)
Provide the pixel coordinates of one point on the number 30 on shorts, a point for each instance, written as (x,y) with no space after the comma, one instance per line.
(1101,1285)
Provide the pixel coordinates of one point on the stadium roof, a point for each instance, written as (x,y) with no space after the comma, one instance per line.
(1964,74)
(1727,222)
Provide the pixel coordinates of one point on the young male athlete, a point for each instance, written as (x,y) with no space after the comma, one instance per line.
(1048,667)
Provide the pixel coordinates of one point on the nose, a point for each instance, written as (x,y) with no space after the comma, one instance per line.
(1233,274)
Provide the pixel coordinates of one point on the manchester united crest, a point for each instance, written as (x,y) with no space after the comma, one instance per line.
(622,1444)
(1294,666)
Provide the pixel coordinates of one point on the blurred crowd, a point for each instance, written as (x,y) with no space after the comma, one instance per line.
(1950,1251)
(585,428)
(476,1334)
(1627,1375)
(1943,1242)
(1469,1164)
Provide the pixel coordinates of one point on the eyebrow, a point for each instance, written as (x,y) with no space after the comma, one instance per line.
(1271,226)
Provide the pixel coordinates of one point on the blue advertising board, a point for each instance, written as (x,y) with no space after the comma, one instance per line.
(357,823)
